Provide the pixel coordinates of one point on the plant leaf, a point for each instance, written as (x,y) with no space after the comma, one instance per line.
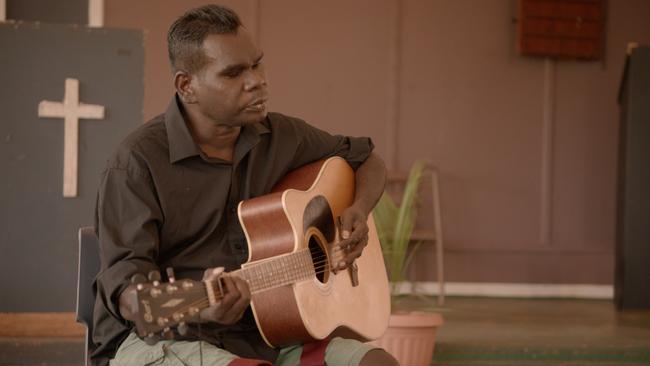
(395,224)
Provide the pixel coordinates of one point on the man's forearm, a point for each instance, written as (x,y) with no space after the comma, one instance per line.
(370,182)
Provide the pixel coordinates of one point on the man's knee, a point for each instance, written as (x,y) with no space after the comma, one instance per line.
(378,357)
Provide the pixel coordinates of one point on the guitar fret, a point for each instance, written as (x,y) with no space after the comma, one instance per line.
(306,263)
(286,269)
(271,275)
(299,265)
(250,278)
(280,275)
(294,267)
(275,277)
(258,278)
(279,271)
(265,279)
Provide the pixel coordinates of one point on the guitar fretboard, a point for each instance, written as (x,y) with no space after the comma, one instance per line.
(276,272)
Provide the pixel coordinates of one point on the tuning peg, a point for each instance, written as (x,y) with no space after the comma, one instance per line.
(154,277)
(167,334)
(150,339)
(155,292)
(170,274)
(138,278)
(182,328)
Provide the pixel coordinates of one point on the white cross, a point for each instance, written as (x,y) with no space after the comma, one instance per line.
(70,110)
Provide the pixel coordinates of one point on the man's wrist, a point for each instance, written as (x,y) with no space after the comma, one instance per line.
(362,206)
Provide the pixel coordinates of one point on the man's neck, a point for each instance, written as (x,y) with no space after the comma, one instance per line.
(215,140)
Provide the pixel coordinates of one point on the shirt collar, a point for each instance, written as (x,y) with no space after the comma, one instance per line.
(181,143)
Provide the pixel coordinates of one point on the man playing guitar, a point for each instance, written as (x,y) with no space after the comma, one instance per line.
(169,195)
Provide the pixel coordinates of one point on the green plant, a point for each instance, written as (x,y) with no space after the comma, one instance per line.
(395,225)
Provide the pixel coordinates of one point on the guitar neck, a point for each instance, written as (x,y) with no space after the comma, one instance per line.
(275,272)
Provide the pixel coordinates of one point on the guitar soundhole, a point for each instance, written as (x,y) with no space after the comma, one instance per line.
(319,258)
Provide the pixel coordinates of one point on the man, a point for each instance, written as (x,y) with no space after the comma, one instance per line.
(169,194)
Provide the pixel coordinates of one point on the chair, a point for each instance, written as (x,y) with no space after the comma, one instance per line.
(87,270)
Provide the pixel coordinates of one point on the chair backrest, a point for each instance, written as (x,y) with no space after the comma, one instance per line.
(87,270)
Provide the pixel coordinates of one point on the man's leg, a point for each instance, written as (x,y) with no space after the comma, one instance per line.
(341,352)
(134,351)
(378,357)
(344,352)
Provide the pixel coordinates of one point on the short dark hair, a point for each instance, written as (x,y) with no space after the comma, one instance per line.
(186,35)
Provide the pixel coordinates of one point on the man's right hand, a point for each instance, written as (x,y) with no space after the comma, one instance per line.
(232,306)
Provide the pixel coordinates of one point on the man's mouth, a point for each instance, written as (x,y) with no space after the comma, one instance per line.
(257,105)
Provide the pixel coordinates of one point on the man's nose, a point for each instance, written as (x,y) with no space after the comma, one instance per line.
(255,79)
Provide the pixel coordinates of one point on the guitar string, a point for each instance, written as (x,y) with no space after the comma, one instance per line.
(204,302)
(321,265)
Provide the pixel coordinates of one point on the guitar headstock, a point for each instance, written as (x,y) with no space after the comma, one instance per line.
(161,306)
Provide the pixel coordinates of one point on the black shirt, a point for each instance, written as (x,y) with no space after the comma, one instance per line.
(163,203)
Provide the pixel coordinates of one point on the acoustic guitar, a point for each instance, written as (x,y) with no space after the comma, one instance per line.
(296,296)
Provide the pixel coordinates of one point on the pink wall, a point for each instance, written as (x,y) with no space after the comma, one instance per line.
(526,148)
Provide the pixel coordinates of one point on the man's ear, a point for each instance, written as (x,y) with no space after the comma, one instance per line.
(184,87)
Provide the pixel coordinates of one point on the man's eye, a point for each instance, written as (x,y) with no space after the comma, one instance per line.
(233,73)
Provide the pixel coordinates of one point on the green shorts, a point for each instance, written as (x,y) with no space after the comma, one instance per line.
(134,351)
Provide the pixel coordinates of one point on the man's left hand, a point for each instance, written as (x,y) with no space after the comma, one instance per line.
(353,233)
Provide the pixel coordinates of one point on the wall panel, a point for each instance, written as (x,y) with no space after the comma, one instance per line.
(526,147)
(328,62)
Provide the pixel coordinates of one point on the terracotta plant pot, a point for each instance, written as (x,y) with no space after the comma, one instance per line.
(410,337)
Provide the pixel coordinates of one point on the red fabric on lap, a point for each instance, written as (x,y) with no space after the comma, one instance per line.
(313,354)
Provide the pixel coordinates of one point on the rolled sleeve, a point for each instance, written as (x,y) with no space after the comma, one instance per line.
(315,144)
(128,217)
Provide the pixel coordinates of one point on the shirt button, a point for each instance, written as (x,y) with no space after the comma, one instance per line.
(233,209)
(238,246)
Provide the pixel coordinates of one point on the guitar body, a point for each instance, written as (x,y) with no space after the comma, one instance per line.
(302,212)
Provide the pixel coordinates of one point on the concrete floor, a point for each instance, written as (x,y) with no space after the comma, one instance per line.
(481,331)
(477,332)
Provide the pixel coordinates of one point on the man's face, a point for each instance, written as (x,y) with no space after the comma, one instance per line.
(231,88)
